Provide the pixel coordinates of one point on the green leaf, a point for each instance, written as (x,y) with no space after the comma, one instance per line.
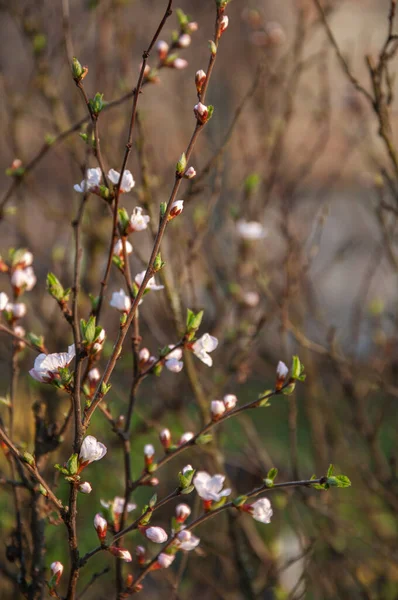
(181,165)
(54,287)
(153,501)
(239,501)
(272,473)
(330,471)
(73,464)
(90,330)
(340,481)
(188,489)
(204,439)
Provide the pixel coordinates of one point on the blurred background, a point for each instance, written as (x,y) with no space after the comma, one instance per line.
(293,146)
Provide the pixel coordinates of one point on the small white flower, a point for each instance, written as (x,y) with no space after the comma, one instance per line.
(24,278)
(57,567)
(187,541)
(138,221)
(217,408)
(92,181)
(118,248)
(85,487)
(174,365)
(121,301)
(184,40)
(261,510)
(164,560)
(210,488)
(94,375)
(190,173)
(250,230)
(3,300)
(230,401)
(46,366)
(156,534)
(205,344)
(149,450)
(17,310)
(186,437)
(180,63)
(91,450)
(182,512)
(151,285)
(26,259)
(251,299)
(117,505)
(127,180)
(281,370)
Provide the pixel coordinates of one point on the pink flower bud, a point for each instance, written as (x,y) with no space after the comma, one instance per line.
(186,437)
(85,488)
(165,438)
(163,49)
(190,173)
(176,209)
(17,310)
(57,569)
(201,112)
(144,355)
(179,63)
(101,526)
(93,375)
(193,26)
(182,512)
(184,40)
(121,553)
(165,560)
(140,552)
(153,482)
(156,535)
(217,409)
(223,24)
(230,401)
(149,451)
(281,374)
(200,79)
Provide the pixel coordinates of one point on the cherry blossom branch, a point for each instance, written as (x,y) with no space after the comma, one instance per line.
(18,337)
(150,271)
(193,441)
(209,515)
(136,94)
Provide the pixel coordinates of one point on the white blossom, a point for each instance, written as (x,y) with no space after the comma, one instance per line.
(118,248)
(151,285)
(56,567)
(186,437)
(156,534)
(85,487)
(120,301)
(46,366)
(117,505)
(138,221)
(251,299)
(94,375)
(24,278)
(149,450)
(230,401)
(210,488)
(180,63)
(100,525)
(282,370)
(164,560)
(176,208)
(250,230)
(3,300)
(174,365)
(92,181)
(187,541)
(184,40)
(205,344)
(17,309)
(190,173)
(91,450)
(261,510)
(224,23)
(127,180)
(217,408)
(26,259)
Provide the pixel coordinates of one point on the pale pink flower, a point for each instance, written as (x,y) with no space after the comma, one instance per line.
(46,366)
(180,63)
(121,553)
(138,221)
(187,541)
(230,401)
(151,285)
(149,450)
(201,348)
(117,505)
(217,409)
(190,173)
(120,301)
(182,512)
(184,40)
(91,450)
(127,180)
(118,248)
(186,437)
(85,487)
(261,510)
(201,112)
(101,526)
(17,309)
(156,535)
(92,181)
(281,370)
(3,300)
(210,488)
(164,560)
(24,278)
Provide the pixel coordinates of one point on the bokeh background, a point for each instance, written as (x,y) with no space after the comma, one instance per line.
(291,145)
